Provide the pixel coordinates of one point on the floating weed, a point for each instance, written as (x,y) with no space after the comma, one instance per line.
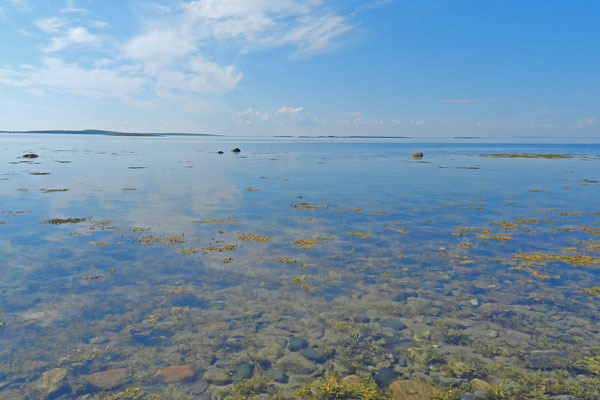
(53,190)
(253,237)
(301,281)
(506,225)
(287,260)
(309,206)
(129,188)
(360,234)
(177,310)
(569,230)
(177,290)
(329,387)
(100,243)
(251,189)
(527,220)
(227,260)
(465,245)
(312,220)
(595,291)
(102,225)
(220,249)
(59,221)
(570,214)
(399,230)
(536,190)
(536,274)
(139,230)
(188,251)
(465,262)
(39,173)
(544,258)
(308,244)
(162,239)
(379,212)
(217,221)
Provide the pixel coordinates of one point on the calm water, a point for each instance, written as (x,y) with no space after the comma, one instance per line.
(122,257)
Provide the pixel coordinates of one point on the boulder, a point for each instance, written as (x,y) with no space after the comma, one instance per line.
(294,363)
(52,382)
(297,344)
(417,154)
(217,376)
(236,150)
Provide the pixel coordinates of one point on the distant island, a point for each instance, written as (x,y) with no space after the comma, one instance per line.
(109,133)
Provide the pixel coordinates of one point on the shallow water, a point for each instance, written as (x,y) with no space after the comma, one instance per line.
(450,268)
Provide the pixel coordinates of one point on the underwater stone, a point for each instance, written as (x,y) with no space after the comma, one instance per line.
(108,379)
(279,376)
(297,344)
(417,154)
(30,155)
(385,376)
(52,382)
(293,363)
(217,376)
(548,359)
(175,373)
(313,355)
(243,371)
(411,389)
(401,361)
(392,323)
(405,295)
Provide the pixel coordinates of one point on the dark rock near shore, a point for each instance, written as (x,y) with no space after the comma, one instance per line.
(30,155)
(236,150)
(297,344)
(220,152)
(417,154)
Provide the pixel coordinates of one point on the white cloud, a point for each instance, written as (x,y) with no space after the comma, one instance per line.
(71,8)
(282,116)
(57,76)
(586,122)
(50,25)
(158,48)
(77,35)
(98,24)
(316,34)
(289,111)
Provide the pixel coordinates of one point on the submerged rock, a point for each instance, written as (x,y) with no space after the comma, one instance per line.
(217,377)
(175,373)
(411,389)
(294,363)
(313,355)
(297,344)
(393,323)
(548,359)
(109,379)
(417,154)
(385,376)
(236,150)
(279,376)
(243,371)
(52,382)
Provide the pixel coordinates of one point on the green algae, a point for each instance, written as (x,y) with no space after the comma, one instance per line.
(253,237)
(308,244)
(60,221)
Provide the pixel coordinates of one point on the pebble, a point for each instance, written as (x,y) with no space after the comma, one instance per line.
(411,389)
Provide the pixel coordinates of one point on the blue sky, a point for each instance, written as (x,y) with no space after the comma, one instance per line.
(419,68)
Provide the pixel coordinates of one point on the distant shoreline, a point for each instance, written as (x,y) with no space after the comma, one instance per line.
(109,133)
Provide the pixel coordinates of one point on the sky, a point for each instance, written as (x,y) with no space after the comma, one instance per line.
(418,68)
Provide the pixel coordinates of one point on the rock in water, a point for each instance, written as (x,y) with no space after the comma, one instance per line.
(294,363)
(51,382)
(217,377)
(236,150)
(108,379)
(393,323)
(30,155)
(313,355)
(385,376)
(175,373)
(219,152)
(417,154)
(297,344)
(243,371)
(411,389)
(279,376)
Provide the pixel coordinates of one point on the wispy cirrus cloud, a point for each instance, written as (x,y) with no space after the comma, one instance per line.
(74,36)
(466,100)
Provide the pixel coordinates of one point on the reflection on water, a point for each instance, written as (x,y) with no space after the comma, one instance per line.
(157,268)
